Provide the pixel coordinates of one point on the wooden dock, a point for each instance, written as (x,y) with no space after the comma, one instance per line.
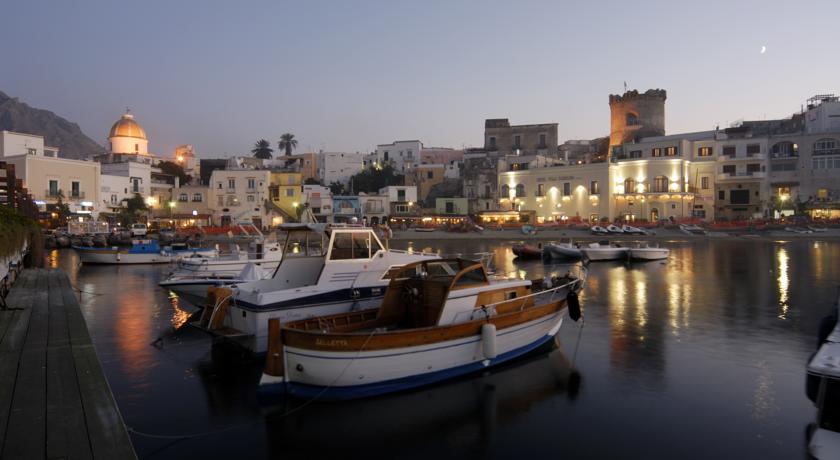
(54,399)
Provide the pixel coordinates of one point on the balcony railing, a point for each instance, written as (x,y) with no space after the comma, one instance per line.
(80,195)
(748,156)
(741,175)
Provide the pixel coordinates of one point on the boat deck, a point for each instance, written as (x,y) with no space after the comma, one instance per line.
(54,399)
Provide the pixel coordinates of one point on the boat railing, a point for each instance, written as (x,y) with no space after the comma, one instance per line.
(406,251)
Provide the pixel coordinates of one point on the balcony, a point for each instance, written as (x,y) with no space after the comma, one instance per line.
(745,157)
(741,176)
(80,195)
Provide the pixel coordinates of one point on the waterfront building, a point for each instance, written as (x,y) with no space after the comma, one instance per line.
(339,167)
(304,163)
(402,204)
(401,155)
(319,200)
(49,178)
(741,182)
(635,115)
(240,195)
(424,177)
(285,191)
(451,206)
(346,209)
(190,206)
(507,139)
(481,180)
(374,208)
(556,194)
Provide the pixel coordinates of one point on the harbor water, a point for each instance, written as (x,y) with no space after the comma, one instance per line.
(700,356)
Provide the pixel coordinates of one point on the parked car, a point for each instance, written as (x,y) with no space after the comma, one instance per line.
(138,229)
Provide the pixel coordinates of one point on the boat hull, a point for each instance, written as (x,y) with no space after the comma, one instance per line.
(116,257)
(563,252)
(649,253)
(360,374)
(598,254)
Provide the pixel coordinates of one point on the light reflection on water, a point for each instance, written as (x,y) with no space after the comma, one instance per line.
(708,345)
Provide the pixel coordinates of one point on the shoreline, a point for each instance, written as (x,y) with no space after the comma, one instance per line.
(660,234)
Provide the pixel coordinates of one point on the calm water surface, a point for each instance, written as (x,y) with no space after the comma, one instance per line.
(701,357)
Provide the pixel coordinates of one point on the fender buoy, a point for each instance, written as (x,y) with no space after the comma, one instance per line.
(488,340)
(573,305)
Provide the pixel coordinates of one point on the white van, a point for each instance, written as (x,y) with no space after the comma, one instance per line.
(138,229)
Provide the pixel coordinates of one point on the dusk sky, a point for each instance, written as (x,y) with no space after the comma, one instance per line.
(346,76)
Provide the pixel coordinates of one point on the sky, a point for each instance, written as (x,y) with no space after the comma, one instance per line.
(345,76)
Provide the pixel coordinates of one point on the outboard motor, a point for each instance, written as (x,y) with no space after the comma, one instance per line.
(573,305)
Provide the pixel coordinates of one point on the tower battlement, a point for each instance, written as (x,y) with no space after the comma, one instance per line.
(636,95)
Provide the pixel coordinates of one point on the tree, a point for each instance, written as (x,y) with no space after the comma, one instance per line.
(262,149)
(174,169)
(311,181)
(374,178)
(133,206)
(62,209)
(337,188)
(287,143)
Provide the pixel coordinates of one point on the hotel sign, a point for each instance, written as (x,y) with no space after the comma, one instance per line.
(558,178)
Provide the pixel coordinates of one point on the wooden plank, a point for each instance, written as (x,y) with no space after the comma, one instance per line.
(76,326)
(25,435)
(66,431)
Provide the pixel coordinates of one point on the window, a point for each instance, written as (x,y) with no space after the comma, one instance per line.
(505,191)
(567,188)
(826,146)
(739,197)
(784,150)
(657,152)
(197,198)
(753,168)
(594,189)
(251,183)
(401,195)
(635,154)
(219,185)
(660,184)
(540,189)
(385,156)
(729,169)
(729,150)
(492,142)
(721,195)
(31,151)
(251,198)
(75,189)
(632,119)
(401,209)
(822,193)
(291,180)
(290,192)
(113,199)
(517,141)
(136,147)
(232,200)
(231,184)
(786,166)
(348,246)
(704,152)
(430,175)
(704,182)
(409,154)
(629,185)
(753,149)
(183,197)
(53,187)
(542,141)
(520,190)
(671,151)
(450,207)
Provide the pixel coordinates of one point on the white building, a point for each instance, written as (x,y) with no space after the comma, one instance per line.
(14,144)
(240,195)
(339,166)
(402,155)
(319,199)
(399,193)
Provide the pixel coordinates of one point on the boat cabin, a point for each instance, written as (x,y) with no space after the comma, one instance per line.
(144,247)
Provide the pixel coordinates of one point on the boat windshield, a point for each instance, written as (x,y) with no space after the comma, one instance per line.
(303,243)
(353,245)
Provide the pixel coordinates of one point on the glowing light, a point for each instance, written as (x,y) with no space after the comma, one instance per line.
(640,188)
(295,204)
(195,213)
(411,203)
(179,159)
(171,204)
(783,281)
(151,201)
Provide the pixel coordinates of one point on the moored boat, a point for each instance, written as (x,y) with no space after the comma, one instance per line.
(823,388)
(566,251)
(629,229)
(603,251)
(140,252)
(598,230)
(526,251)
(614,229)
(690,229)
(646,252)
(439,319)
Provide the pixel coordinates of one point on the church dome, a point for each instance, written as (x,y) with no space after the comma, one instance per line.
(127,127)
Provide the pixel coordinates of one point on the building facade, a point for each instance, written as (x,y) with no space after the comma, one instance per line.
(401,155)
(241,195)
(339,167)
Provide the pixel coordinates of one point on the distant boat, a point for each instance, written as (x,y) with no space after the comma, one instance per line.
(526,251)
(814,228)
(629,229)
(690,229)
(562,251)
(603,251)
(424,229)
(598,230)
(428,328)
(614,229)
(529,230)
(802,230)
(645,252)
(140,252)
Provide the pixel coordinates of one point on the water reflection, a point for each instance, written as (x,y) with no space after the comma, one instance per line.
(179,315)
(783,281)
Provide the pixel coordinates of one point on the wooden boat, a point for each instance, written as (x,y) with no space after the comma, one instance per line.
(526,251)
(823,388)
(598,230)
(644,252)
(439,319)
(603,251)
(566,251)
(140,252)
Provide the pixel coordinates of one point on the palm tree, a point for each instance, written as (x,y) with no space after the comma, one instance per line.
(287,143)
(262,149)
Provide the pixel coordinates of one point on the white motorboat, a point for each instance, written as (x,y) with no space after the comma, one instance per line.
(823,388)
(645,252)
(603,251)
(629,229)
(265,255)
(690,229)
(140,252)
(439,319)
(324,270)
(192,287)
(614,229)
(598,230)
(801,230)
(562,251)
(180,251)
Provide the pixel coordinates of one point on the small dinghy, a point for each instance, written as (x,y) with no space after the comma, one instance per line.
(439,319)
(615,229)
(526,251)
(631,230)
(566,251)
(598,230)
(604,251)
(644,252)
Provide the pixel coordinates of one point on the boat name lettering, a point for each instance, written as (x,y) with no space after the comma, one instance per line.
(331,343)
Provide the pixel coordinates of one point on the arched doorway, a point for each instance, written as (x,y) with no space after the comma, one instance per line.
(654,214)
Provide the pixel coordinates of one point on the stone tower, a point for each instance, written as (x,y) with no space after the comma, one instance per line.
(634,115)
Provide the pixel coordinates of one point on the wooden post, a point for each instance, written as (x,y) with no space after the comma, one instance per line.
(274,357)
(209,304)
(217,317)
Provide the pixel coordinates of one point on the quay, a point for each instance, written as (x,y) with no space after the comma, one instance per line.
(54,399)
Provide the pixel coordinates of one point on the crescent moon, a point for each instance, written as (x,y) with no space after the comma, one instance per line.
(763,49)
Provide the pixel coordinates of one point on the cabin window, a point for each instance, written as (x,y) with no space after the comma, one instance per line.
(347,246)
(473,277)
(303,244)
(510,295)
